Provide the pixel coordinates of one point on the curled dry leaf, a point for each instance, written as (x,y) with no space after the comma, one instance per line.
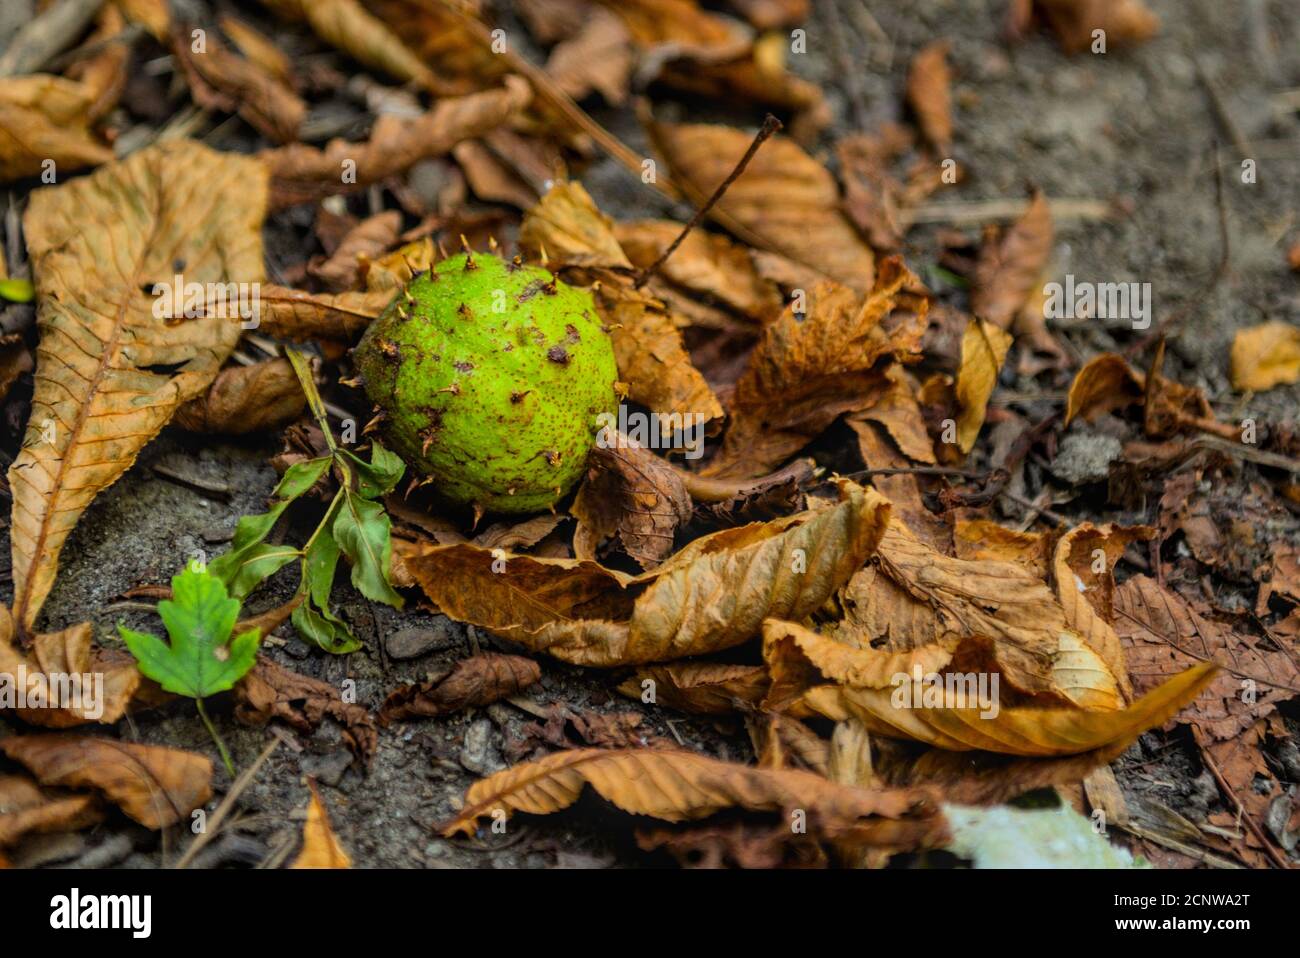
(44,118)
(221,80)
(1075,22)
(258,48)
(711,595)
(368,239)
(785,201)
(1009,267)
(300,316)
(320,846)
(814,365)
(631,493)
(1105,383)
(65,680)
(304,174)
(26,808)
(153,785)
(701,688)
(245,399)
(1265,356)
(109,373)
(1046,732)
(567,229)
(983,351)
(272,691)
(929,92)
(684,786)
(770,14)
(470,683)
(783,742)
(896,408)
(598,58)
(680,29)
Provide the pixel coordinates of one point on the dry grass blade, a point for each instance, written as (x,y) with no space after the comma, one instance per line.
(109,373)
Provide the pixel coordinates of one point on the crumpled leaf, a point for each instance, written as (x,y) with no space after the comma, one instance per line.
(272,691)
(26,808)
(244,399)
(631,493)
(153,785)
(299,316)
(470,683)
(929,92)
(701,688)
(368,239)
(303,174)
(896,409)
(681,786)
(1265,356)
(1012,730)
(1105,383)
(711,595)
(1073,21)
(320,846)
(567,227)
(770,14)
(598,58)
(785,201)
(983,351)
(54,659)
(109,374)
(44,118)
(812,367)
(1009,267)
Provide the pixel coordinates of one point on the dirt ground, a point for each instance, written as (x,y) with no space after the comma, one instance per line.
(1133,127)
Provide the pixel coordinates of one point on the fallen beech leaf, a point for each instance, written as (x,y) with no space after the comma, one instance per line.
(303,174)
(682,786)
(785,200)
(320,846)
(1009,268)
(1105,383)
(1012,731)
(109,374)
(245,399)
(34,131)
(1265,356)
(27,808)
(300,316)
(631,493)
(701,688)
(983,351)
(153,785)
(77,683)
(929,91)
(599,57)
(221,80)
(272,691)
(812,367)
(1162,635)
(1074,21)
(471,683)
(370,238)
(711,595)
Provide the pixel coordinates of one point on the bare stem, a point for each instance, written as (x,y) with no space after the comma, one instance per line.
(212,730)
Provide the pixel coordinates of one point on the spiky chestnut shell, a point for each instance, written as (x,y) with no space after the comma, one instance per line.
(490,376)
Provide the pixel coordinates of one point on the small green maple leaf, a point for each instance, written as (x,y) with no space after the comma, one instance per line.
(202,658)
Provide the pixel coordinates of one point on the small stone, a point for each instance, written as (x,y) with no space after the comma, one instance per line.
(327,769)
(476,753)
(414,642)
(1085,458)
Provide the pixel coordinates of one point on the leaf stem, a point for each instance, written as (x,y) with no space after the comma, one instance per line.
(212,730)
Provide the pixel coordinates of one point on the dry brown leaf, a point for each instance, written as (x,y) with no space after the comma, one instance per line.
(631,493)
(62,667)
(897,410)
(15,361)
(813,366)
(490,178)
(27,808)
(1049,732)
(783,742)
(598,58)
(684,786)
(272,691)
(701,688)
(245,399)
(320,846)
(929,92)
(1265,356)
(682,29)
(1074,22)
(221,80)
(713,594)
(153,785)
(35,132)
(1162,635)
(985,539)
(785,200)
(770,14)
(903,490)
(258,48)
(347,264)
(470,683)
(566,227)
(304,174)
(983,351)
(1009,268)
(109,374)
(1105,383)
(104,74)
(299,316)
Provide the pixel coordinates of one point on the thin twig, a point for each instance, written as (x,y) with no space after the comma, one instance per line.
(1228,793)
(770,126)
(217,817)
